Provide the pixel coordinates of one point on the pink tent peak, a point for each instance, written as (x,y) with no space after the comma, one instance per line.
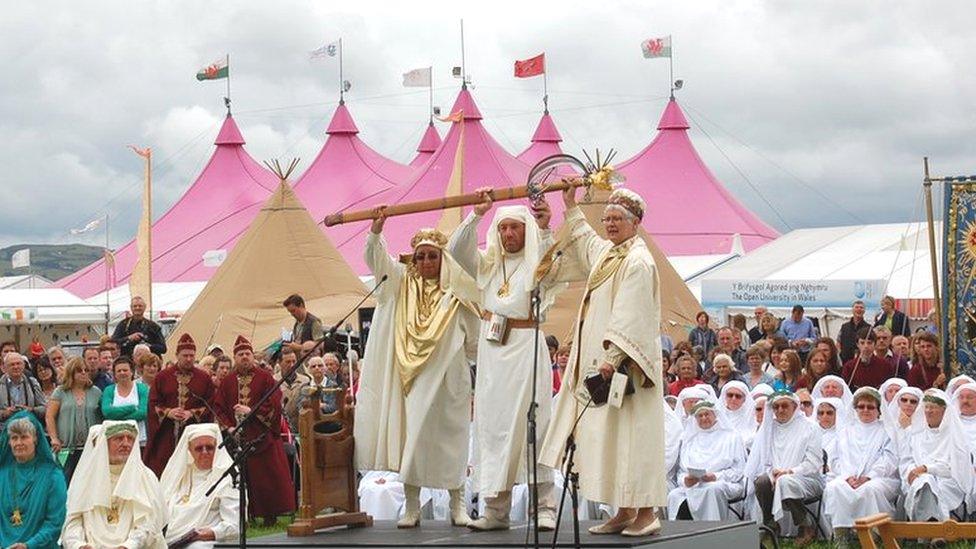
(689,211)
(485,162)
(545,142)
(347,175)
(210,215)
(428,144)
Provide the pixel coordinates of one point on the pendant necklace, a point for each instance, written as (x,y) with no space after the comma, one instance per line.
(505,289)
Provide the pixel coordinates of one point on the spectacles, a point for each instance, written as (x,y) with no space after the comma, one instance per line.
(825,412)
(866,407)
(614,219)
(759,408)
(781,406)
(209,448)
(734,395)
(426,257)
(906,400)
(806,403)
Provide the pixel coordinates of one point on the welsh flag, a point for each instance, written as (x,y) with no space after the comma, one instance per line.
(214,71)
(656,47)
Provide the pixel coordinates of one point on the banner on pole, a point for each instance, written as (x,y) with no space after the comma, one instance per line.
(958,285)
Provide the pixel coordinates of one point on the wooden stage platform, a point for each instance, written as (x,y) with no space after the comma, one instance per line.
(675,535)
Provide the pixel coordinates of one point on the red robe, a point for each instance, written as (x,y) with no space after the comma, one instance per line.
(173,388)
(270,489)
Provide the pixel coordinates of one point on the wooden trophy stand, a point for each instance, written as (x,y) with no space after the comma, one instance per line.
(328,474)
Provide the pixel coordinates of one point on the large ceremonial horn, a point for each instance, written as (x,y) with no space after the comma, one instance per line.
(543,178)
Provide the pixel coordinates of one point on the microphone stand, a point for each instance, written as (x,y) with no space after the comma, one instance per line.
(532,423)
(570,478)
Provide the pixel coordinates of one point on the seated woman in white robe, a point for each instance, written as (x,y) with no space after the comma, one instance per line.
(934,460)
(115,500)
(737,405)
(899,414)
(865,471)
(833,387)
(196,519)
(890,387)
(759,409)
(785,464)
(831,417)
(711,462)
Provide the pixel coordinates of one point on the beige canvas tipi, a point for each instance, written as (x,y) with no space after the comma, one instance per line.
(283,252)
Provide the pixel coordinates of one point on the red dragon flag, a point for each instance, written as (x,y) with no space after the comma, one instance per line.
(656,47)
(533,66)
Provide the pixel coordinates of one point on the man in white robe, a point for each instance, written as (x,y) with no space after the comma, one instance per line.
(115,500)
(934,460)
(414,399)
(864,475)
(712,461)
(785,464)
(505,271)
(197,520)
(620,450)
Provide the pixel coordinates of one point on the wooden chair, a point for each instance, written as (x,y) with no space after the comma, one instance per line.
(891,531)
(328,475)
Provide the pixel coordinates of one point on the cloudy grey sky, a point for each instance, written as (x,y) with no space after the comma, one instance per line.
(811,113)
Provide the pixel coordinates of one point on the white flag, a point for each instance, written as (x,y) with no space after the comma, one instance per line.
(328,50)
(214,258)
(91,226)
(656,47)
(417,78)
(20,258)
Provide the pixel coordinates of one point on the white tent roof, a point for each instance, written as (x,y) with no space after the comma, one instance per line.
(18,282)
(896,252)
(48,306)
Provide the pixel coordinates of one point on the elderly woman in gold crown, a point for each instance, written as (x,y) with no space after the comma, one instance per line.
(414,397)
(620,444)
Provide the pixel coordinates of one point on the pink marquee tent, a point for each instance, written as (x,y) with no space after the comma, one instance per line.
(428,144)
(348,175)
(689,211)
(210,215)
(484,161)
(545,141)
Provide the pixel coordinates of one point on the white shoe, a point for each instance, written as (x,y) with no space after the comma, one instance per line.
(484,524)
(547,523)
(649,530)
(411,512)
(459,512)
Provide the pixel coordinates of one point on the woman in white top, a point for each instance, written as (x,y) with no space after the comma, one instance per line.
(890,387)
(900,412)
(864,477)
(711,462)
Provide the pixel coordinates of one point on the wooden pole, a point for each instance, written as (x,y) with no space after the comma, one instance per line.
(497,195)
(939,324)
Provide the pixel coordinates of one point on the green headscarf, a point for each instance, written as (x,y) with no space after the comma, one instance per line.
(36,488)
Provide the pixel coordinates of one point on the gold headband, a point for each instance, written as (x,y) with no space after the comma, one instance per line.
(628,200)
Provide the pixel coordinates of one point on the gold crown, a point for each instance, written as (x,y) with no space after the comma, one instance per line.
(430,237)
(628,200)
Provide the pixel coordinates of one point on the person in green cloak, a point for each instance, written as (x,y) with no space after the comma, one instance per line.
(33,493)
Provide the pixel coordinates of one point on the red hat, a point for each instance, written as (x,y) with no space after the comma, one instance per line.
(242,343)
(186,342)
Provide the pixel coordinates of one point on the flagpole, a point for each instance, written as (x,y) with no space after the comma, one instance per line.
(671,65)
(149,256)
(464,77)
(227,60)
(108,275)
(342,91)
(545,89)
(430,82)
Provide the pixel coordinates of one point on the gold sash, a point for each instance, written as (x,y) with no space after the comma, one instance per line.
(420,324)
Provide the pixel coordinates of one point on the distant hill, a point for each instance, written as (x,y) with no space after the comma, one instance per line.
(51,261)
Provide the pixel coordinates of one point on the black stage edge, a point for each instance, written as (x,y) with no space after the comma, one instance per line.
(431,533)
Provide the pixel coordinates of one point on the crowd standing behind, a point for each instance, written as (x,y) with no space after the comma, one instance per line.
(775,412)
